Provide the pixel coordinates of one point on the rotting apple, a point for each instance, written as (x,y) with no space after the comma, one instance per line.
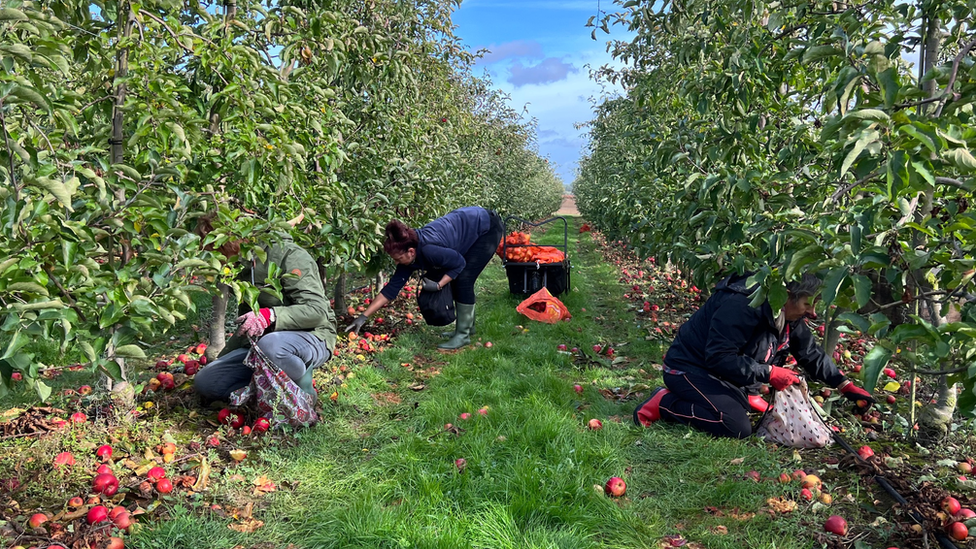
(865,452)
(75,502)
(836,525)
(754,476)
(812,481)
(238,455)
(615,487)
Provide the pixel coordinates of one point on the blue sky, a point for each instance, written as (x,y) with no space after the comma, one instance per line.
(541,55)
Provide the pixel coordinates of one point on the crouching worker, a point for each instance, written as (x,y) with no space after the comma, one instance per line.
(453,249)
(728,346)
(296,332)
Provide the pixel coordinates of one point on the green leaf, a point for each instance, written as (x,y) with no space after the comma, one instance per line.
(19,51)
(856,320)
(11,14)
(112,368)
(820,52)
(874,362)
(30,95)
(58,189)
(888,81)
(130,351)
(865,139)
(28,287)
(867,114)
(862,290)
(832,284)
(42,390)
(778,296)
(962,159)
(88,350)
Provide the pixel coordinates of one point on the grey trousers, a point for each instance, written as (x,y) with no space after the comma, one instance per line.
(293,352)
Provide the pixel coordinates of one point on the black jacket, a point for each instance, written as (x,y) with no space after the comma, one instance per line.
(737,343)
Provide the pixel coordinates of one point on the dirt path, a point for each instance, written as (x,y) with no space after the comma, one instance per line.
(568,206)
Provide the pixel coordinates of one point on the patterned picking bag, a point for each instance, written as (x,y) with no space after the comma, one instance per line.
(279,399)
(792,420)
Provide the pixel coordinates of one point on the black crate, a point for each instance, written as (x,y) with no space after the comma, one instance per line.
(529,278)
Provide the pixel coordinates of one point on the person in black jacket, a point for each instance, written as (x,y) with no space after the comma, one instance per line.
(452,249)
(727,346)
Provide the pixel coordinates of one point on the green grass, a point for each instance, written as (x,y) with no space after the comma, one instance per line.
(378,476)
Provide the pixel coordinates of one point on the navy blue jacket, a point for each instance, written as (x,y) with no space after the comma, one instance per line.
(443,243)
(730,340)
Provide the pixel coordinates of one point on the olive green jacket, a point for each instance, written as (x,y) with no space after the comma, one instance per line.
(304,305)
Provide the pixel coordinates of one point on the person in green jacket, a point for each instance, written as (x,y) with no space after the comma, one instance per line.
(297,332)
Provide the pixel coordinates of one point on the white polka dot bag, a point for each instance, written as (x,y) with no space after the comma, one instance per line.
(792,420)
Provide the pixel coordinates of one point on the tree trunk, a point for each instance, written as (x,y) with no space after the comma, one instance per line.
(218,322)
(379,284)
(934,419)
(340,294)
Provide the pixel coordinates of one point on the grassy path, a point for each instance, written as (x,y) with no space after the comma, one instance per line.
(380,470)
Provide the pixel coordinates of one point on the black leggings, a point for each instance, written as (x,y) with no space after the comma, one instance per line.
(476,259)
(707,404)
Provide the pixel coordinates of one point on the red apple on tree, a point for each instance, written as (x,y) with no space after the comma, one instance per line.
(615,487)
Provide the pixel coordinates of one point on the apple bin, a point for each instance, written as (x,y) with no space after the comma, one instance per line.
(528,277)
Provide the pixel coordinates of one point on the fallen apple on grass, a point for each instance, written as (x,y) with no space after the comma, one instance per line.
(615,487)
(105,452)
(36,520)
(106,484)
(595,424)
(958,531)
(836,525)
(964,467)
(164,486)
(156,473)
(78,417)
(64,458)
(261,425)
(115,543)
(238,455)
(75,502)
(104,469)
(460,463)
(578,388)
(465,416)
(97,514)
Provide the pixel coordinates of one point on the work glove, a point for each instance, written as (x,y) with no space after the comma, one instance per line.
(357,324)
(253,324)
(855,393)
(781,378)
(429,285)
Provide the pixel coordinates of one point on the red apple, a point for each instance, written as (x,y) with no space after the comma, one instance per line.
(191,367)
(164,486)
(78,417)
(595,424)
(958,531)
(213,441)
(785,478)
(224,416)
(120,518)
(16,376)
(964,467)
(799,474)
(754,476)
(806,494)
(104,451)
(64,458)
(460,463)
(890,399)
(578,388)
(97,514)
(951,505)
(890,373)
(261,425)
(104,469)
(561,347)
(115,543)
(597,348)
(162,364)
(488,345)
(965,514)
(156,473)
(105,483)
(615,487)
(37,520)
(465,415)
(76,502)
(836,525)
(483,410)
(865,452)
(201,348)
(84,390)
(182,358)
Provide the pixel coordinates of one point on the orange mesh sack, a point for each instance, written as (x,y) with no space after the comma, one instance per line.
(792,420)
(544,307)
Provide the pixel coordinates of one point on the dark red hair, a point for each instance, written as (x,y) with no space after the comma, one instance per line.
(399,238)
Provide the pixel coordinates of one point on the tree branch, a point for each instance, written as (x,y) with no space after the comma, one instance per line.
(952,77)
(847,188)
(951,182)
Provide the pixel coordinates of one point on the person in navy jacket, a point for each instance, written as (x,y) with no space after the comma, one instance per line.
(727,346)
(453,249)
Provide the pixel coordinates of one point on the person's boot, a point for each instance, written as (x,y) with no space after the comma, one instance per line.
(649,411)
(472,333)
(306,382)
(758,404)
(462,327)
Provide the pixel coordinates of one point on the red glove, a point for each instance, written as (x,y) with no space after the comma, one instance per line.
(254,324)
(855,393)
(781,378)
